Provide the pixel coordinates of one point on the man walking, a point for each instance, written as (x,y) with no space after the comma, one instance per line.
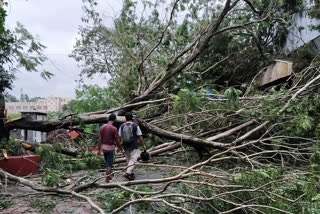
(108,138)
(130,133)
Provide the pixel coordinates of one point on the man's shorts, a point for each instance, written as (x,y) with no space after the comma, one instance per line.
(108,156)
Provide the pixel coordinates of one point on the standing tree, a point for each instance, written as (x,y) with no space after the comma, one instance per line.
(19,49)
(10,98)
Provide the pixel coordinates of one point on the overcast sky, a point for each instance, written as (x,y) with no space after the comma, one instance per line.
(55,22)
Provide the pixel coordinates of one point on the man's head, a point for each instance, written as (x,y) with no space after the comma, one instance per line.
(112,117)
(128,116)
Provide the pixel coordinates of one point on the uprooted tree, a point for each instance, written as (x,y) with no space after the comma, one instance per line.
(264,142)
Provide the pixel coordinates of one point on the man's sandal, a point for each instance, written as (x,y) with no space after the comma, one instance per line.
(129,176)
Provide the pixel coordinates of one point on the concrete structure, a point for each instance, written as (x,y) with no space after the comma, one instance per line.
(30,135)
(280,69)
(51,104)
(300,33)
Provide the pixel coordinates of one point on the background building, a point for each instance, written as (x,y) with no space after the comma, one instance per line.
(51,104)
(300,33)
(31,136)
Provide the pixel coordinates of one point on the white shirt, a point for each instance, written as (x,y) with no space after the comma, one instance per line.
(139,133)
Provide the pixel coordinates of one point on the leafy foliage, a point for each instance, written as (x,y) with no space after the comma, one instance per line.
(140,49)
(314,12)
(289,188)
(94,98)
(52,159)
(49,157)
(92,161)
(43,205)
(54,115)
(186,101)
(20,48)
(10,98)
(233,97)
(52,178)
(4,202)
(12,147)
(233,55)
(112,199)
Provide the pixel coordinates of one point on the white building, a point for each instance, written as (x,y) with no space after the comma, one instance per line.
(300,33)
(31,136)
(51,104)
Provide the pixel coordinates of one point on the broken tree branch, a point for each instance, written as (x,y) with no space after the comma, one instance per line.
(93,205)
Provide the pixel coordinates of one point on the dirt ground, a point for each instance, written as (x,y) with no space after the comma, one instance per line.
(24,200)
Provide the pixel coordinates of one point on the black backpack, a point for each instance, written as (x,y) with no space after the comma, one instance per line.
(145,156)
(129,133)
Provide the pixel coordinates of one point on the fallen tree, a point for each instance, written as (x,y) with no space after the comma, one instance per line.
(256,142)
(26,123)
(226,191)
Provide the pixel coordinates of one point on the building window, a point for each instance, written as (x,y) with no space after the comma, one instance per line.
(31,107)
(39,107)
(18,108)
(25,107)
(11,107)
(45,107)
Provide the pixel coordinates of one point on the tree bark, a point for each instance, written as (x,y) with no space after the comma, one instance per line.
(49,125)
(4,132)
(192,141)
(64,151)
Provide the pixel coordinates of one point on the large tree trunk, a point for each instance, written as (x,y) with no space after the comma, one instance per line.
(49,125)
(4,132)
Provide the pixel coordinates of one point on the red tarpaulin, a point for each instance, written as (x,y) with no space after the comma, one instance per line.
(20,165)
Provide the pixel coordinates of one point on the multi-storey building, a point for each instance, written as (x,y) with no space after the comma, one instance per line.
(301,33)
(51,104)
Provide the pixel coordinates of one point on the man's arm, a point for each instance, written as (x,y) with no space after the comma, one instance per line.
(142,142)
(99,144)
(139,134)
(119,143)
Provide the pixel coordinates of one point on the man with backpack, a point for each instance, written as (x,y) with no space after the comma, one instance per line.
(107,140)
(130,133)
